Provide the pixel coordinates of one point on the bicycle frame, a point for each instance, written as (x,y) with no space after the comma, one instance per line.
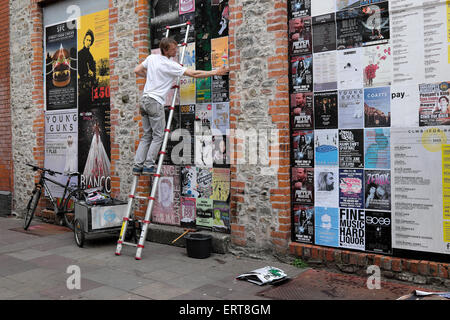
(67,189)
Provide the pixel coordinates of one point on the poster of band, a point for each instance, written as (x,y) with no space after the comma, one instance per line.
(302,76)
(166,208)
(303,148)
(77,78)
(304,223)
(380,80)
(300,8)
(300,37)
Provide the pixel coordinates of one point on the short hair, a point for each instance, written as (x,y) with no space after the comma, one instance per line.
(89,33)
(165,43)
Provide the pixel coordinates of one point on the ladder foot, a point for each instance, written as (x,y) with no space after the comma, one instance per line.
(117,254)
(137,258)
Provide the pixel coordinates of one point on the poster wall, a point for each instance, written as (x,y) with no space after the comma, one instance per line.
(380,109)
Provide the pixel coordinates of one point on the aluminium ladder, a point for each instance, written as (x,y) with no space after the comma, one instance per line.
(157,175)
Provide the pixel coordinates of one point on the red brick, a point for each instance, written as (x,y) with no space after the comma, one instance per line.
(414,266)
(423,268)
(442,271)
(396,264)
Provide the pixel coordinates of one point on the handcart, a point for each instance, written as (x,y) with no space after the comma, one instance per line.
(101,218)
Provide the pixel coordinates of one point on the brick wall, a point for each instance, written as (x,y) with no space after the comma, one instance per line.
(6,167)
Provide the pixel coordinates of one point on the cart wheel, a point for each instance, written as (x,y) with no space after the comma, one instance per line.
(79,233)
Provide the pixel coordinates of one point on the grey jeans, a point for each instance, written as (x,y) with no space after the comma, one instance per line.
(153,123)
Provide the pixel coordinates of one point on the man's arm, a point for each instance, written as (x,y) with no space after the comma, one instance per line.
(205,74)
(140,71)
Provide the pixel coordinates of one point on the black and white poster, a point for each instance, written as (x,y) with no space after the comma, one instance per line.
(304,223)
(300,36)
(325,71)
(302,111)
(378,232)
(324,33)
(220,87)
(352,229)
(303,148)
(301,73)
(377,189)
(326,110)
(351,148)
(326,192)
(303,186)
(351,188)
(350,69)
(187,121)
(349,29)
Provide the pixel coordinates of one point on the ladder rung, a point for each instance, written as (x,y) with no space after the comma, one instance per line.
(177,25)
(142,198)
(130,244)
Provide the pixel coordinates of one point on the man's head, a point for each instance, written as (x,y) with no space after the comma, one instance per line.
(168,47)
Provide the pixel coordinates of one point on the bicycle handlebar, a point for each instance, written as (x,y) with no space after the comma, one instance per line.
(50,172)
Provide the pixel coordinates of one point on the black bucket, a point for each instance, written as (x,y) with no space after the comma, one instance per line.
(198,245)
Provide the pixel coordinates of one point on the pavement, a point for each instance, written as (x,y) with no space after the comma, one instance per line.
(39,264)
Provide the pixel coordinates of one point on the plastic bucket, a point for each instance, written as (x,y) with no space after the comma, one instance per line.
(198,245)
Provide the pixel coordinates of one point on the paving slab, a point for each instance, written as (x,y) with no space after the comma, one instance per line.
(117,279)
(160,291)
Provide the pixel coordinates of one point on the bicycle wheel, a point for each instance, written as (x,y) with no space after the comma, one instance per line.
(69,207)
(79,233)
(31,207)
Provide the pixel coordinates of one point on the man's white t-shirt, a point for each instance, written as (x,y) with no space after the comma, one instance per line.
(161,72)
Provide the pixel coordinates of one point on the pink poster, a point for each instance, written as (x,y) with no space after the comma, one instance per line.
(186,6)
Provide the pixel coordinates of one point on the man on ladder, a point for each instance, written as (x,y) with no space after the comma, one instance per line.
(160,73)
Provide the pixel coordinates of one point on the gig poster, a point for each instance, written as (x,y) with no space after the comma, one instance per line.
(61,147)
(351,109)
(204,182)
(220,18)
(326,110)
(302,111)
(166,208)
(401,96)
(187,122)
(352,228)
(221,184)
(158,26)
(204,218)
(326,192)
(434,104)
(378,232)
(377,189)
(203,119)
(324,33)
(203,149)
(189,182)
(377,146)
(221,215)
(420,197)
(350,69)
(303,186)
(186,6)
(221,151)
(326,147)
(325,71)
(221,118)
(349,29)
(187,84)
(302,75)
(326,228)
(220,88)
(94,150)
(351,148)
(304,223)
(60,67)
(375,22)
(377,107)
(203,62)
(377,66)
(300,8)
(351,188)
(303,148)
(188,212)
(300,36)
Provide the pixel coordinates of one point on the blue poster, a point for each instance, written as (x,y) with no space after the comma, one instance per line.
(377,107)
(325,147)
(327,226)
(377,153)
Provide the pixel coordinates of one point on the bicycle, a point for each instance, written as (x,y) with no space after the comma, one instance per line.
(65,207)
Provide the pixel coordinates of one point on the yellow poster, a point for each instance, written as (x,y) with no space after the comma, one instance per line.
(446,180)
(219,52)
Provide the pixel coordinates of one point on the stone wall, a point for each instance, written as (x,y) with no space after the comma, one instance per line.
(259,100)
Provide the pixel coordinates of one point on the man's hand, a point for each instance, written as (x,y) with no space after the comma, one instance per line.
(222,71)
(140,71)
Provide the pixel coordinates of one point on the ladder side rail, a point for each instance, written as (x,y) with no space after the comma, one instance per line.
(123,230)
